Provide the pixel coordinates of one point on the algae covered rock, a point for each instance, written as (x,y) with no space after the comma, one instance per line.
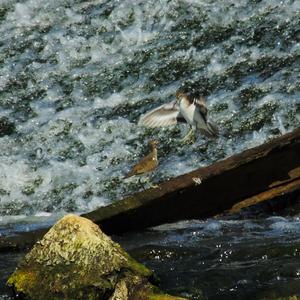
(76,260)
(6,127)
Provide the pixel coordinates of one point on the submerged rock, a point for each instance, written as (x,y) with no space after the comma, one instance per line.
(6,127)
(76,260)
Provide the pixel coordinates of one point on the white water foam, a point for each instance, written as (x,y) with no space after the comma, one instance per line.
(74,78)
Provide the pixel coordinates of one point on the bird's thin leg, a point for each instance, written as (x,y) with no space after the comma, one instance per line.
(190,138)
(141,184)
(147,181)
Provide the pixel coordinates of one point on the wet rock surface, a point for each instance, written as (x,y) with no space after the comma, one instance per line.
(76,260)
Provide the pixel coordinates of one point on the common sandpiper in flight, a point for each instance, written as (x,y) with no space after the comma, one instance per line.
(188,107)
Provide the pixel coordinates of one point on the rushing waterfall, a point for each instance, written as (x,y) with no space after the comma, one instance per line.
(76,75)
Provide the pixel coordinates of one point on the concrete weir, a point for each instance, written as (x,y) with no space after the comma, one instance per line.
(255,175)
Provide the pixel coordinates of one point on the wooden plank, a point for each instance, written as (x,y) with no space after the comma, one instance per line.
(266,195)
(202,193)
(223,184)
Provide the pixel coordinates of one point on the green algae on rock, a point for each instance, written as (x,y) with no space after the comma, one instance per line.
(7,127)
(76,260)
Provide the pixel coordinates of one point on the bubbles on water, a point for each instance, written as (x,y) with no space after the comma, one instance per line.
(247,258)
(113,100)
(213,226)
(288,227)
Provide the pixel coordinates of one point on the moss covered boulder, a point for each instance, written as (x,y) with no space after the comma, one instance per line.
(76,260)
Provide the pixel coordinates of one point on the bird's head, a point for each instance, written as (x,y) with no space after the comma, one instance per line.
(180,94)
(153,144)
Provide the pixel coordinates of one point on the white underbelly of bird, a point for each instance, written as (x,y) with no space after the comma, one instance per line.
(192,116)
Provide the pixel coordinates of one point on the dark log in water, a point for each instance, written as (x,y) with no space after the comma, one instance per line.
(208,191)
(273,193)
(255,175)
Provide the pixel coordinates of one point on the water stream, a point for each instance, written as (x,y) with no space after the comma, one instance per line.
(76,75)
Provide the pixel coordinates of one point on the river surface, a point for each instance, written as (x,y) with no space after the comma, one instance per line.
(76,75)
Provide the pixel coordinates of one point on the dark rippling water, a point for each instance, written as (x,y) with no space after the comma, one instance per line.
(75,77)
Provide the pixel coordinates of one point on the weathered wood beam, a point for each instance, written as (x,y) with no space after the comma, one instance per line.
(266,195)
(223,184)
(260,172)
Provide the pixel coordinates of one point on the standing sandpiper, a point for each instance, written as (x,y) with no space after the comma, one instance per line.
(146,164)
(188,107)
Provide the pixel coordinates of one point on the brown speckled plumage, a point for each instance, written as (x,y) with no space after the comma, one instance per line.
(146,164)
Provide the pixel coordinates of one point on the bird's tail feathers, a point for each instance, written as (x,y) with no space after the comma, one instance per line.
(129,174)
(211,130)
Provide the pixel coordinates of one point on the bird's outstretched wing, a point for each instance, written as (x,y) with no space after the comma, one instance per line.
(164,115)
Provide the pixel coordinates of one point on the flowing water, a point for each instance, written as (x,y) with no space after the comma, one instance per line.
(76,75)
